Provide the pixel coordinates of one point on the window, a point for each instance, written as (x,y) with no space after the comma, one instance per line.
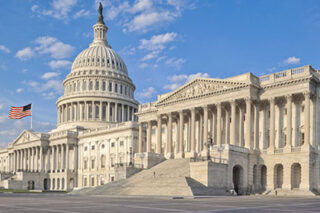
(103,161)
(92,181)
(121,89)
(104,112)
(92,164)
(112,144)
(116,87)
(111,162)
(85,164)
(110,86)
(90,111)
(85,182)
(84,86)
(92,147)
(102,146)
(103,86)
(125,90)
(97,111)
(90,85)
(97,85)
(121,143)
(85,148)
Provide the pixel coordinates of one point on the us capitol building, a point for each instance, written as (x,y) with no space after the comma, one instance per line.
(244,133)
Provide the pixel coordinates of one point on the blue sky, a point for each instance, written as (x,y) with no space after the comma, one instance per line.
(164,43)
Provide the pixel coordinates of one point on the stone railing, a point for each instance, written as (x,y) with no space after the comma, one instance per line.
(280,150)
(64,133)
(110,126)
(147,107)
(287,74)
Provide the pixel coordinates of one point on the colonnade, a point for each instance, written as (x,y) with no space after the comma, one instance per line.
(97,111)
(236,122)
(36,159)
(26,159)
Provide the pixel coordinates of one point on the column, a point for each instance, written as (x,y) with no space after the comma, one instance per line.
(132,114)
(116,112)
(49,168)
(149,136)
(159,135)
(122,113)
(248,124)
(100,111)
(93,110)
(233,123)
(227,126)
(193,142)
(169,136)
(140,138)
(205,130)
(67,157)
(219,124)
(240,126)
(63,158)
(181,134)
(53,159)
(87,109)
(289,122)
(108,111)
(41,159)
(256,126)
(307,118)
(37,159)
(75,161)
(272,124)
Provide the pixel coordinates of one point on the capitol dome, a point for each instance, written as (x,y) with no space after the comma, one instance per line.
(98,90)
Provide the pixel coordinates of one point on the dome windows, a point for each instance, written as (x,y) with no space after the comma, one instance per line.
(90,85)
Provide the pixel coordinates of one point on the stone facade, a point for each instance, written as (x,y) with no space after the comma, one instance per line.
(97,132)
(265,129)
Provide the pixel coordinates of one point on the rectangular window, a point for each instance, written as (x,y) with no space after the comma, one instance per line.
(92,164)
(112,144)
(97,111)
(110,86)
(92,181)
(90,111)
(116,87)
(92,147)
(104,112)
(121,143)
(121,89)
(85,165)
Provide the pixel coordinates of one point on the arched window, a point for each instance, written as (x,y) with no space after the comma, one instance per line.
(103,161)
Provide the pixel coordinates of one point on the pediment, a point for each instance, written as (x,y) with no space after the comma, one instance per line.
(25,137)
(199,87)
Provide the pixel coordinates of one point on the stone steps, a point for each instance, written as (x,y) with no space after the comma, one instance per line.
(169,178)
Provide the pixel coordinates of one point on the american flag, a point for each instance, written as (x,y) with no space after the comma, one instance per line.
(20,112)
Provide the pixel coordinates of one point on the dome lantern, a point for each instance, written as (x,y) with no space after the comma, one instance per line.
(100,31)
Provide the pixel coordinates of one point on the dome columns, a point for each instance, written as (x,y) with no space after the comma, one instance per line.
(104,111)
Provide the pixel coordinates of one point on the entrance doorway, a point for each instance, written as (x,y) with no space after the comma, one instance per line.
(237,177)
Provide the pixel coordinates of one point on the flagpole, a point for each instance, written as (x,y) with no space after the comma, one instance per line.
(31,119)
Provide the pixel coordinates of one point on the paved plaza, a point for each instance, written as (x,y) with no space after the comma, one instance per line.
(50,202)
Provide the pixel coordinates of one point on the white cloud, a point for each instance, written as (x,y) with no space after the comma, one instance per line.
(81,13)
(10,132)
(147,93)
(178,80)
(54,47)
(3,118)
(175,62)
(56,64)
(143,65)
(291,60)
(146,21)
(150,55)
(59,9)
(46,45)
(19,90)
(4,49)
(157,42)
(25,54)
(49,75)
(51,88)
(145,15)
(1,105)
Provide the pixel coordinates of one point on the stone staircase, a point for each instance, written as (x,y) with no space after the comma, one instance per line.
(169,178)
